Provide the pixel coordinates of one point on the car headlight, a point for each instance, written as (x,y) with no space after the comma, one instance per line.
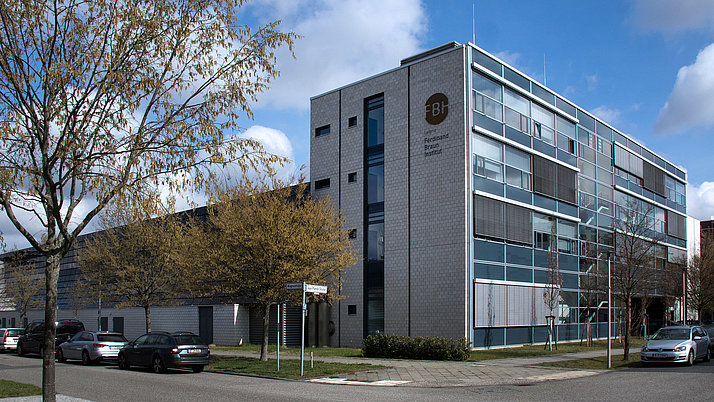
(681,348)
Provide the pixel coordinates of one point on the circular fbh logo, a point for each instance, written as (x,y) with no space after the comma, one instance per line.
(437,108)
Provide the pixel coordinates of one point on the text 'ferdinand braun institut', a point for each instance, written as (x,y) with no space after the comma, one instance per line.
(457,173)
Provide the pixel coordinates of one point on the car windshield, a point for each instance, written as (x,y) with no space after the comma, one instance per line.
(14,332)
(110,338)
(671,333)
(188,340)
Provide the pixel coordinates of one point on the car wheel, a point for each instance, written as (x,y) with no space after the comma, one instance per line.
(20,350)
(123,364)
(690,358)
(197,369)
(708,355)
(60,356)
(158,365)
(85,358)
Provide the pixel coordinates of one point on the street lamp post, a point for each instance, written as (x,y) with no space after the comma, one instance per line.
(684,295)
(609,315)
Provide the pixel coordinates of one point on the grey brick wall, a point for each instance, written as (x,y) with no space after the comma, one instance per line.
(433,287)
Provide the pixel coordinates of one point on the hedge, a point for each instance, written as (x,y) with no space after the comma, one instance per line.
(422,348)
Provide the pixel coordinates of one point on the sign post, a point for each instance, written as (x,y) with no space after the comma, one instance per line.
(305,288)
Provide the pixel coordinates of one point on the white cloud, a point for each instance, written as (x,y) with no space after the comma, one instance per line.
(690,103)
(592,81)
(607,114)
(342,41)
(700,200)
(670,16)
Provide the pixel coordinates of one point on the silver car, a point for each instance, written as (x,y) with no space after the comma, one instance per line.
(9,337)
(91,347)
(682,344)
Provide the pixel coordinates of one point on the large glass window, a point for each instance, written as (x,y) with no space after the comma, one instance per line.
(488,159)
(488,98)
(487,86)
(543,123)
(375,121)
(518,169)
(375,242)
(375,183)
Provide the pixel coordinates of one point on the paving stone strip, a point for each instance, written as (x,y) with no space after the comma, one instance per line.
(427,373)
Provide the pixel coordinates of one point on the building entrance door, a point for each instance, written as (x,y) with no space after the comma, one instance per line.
(205,323)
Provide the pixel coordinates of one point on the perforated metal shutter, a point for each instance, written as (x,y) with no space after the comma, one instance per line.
(519,224)
(676,225)
(653,178)
(543,176)
(489,215)
(566,184)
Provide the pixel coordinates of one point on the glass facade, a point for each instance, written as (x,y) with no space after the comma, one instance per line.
(578,175)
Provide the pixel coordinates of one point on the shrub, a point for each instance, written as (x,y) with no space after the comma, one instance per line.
(423,348)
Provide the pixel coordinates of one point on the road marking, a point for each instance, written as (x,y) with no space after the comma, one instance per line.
(344,381)
(560,376)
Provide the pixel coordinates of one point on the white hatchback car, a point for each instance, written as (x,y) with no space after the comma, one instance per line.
(677,344)
(9,337)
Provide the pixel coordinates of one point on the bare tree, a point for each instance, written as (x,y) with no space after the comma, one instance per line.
(633,273)
(589,291)
(23,284)
(700,278)
(551,292)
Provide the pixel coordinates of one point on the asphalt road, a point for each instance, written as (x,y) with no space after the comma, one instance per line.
(108,383)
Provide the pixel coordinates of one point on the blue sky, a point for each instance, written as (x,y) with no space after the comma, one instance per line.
(644,66)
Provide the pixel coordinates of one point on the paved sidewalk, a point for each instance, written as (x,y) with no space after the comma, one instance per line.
(426,373)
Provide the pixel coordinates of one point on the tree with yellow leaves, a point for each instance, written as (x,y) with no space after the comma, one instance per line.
(104,98)
(265,233)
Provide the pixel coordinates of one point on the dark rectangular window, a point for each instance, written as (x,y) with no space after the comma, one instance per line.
(352,177)
(324,130)
(352,234)
(352,121)
(351,309)
(322,184)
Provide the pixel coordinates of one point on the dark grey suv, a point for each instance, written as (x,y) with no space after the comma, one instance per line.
(32,340)
(161,350)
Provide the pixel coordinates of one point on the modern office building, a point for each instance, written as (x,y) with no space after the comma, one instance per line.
(458,173)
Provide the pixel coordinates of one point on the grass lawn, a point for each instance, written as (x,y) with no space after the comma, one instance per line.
(323,351)
(289,368)
(537,350)
(10,389)
(599,363)
(502,353)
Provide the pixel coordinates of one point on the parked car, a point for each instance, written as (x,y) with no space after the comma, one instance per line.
(9,337)
(161,350)
(710,331)
(32,340)
(91,347)
(677,344)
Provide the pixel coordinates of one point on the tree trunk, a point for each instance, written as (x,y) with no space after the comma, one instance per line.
(147,315)
(628,329)
(52,266)
(266,329)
